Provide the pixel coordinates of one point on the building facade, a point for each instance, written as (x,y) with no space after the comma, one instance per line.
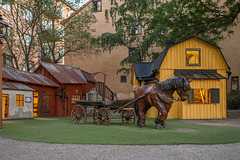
(106,62)
(28,36)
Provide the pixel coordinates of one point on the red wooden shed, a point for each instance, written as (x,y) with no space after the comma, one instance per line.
(73,83)
(45,89)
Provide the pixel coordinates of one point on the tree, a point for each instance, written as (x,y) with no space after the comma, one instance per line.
(23,19)
(39,32)
(161,20)
(79,37)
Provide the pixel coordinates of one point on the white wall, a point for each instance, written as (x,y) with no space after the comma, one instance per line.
(18,112)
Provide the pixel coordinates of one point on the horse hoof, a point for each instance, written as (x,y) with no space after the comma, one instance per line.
(156,121)
(158,126)
(141,124)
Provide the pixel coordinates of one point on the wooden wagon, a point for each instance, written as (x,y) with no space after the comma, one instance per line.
(103,111)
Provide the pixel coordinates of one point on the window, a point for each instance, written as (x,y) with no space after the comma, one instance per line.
(234,83)
(19,100)
(74,98)
(134,50)
(61,53)
(135,28)
(123,79)
(31,64)
(60,11)
(27,14)
(8,34)
(203,95)
(97,5)
(61,33)
(70,13)
(27,39)
(46,24)
(7,60)
(6,5)
(193,57)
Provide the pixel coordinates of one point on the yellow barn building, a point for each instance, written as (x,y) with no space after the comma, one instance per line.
(196,59)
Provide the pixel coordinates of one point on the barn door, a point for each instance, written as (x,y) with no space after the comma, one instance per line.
(5,106)
(44,104)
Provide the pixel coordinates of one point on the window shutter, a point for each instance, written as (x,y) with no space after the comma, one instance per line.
(215,98)
(191,96)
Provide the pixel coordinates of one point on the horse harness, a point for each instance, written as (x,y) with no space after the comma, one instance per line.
(161,97)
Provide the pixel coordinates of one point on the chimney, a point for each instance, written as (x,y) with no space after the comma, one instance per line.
(169,43)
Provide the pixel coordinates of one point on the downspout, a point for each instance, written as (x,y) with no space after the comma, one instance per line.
(228,76)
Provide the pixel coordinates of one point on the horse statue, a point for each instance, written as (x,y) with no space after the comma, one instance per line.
(160,96)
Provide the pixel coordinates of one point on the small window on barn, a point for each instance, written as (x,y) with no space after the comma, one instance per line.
(19,100)
(135,28)
(74,98)
(203,95)
(234,83)
(193,57)
(123,79)
(97,5)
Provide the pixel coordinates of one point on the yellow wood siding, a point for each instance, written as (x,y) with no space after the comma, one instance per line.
(211,58)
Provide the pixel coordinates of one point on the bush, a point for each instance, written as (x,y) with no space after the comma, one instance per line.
(233,100)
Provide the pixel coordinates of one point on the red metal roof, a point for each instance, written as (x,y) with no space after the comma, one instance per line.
(64,73)
(28,77)
(89,77)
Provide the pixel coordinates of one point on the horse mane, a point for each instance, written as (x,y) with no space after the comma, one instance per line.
(171,83)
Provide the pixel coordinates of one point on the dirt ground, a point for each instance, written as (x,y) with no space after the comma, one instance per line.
(233,120)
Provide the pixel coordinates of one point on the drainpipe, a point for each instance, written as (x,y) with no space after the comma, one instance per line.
(1,84)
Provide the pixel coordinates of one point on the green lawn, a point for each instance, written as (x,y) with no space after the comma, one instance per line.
(60,130)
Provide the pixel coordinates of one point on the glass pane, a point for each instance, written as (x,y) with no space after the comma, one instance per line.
(201,95)
(193,57)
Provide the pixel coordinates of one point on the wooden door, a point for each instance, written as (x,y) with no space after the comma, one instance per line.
(44,104)
(5,106)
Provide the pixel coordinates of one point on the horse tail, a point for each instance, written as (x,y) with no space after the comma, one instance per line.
(136,109)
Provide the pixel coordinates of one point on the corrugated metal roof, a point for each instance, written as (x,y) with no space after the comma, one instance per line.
(28,77)
(64,73)
(88,77)
(16,86)
(198,74)
(143,70)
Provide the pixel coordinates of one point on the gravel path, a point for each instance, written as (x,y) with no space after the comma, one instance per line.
(11,150)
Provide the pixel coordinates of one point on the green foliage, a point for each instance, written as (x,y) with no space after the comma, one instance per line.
(233,100)
(60,130)
(167,20)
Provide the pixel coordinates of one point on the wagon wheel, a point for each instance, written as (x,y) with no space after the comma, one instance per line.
(78,115)
(103,117)
(94,115)
(128,117)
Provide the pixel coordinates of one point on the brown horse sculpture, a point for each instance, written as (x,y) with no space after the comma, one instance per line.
(160,96)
